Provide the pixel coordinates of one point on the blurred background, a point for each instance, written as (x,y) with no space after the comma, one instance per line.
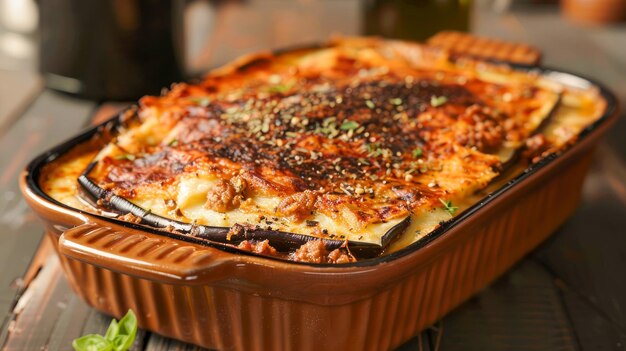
(122,49)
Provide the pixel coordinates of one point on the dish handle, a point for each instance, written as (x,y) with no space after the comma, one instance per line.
(142,254)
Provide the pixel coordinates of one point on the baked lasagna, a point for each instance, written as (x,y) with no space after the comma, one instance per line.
(328,154)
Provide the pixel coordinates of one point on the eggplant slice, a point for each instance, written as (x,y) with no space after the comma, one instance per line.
(281,241)
(510,156)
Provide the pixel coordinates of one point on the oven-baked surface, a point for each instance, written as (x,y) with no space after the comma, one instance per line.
(342,142)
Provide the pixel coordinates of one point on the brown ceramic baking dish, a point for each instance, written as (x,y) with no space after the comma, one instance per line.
(218,297)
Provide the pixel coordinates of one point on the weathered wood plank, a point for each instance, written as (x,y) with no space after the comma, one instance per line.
(428,340)
(20,81)
(520,311)
(593,330)
(48,121)
(17,90)
(70,323)
(49,315)
(589,251)
(159,343)
(39,306)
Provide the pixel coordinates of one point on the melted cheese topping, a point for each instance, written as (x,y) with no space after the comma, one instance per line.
(339,142)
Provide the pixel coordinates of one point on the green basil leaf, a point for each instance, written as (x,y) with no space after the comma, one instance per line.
(112,331)
(436,101)
(447,205)
(349,125)
(92,342)
(396,101)
(417,152)
(127,330)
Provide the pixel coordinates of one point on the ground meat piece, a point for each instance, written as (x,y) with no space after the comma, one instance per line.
(535,147)
(260,247)
(245,245)
(129,217)
(236,230)
(298,206)
(239,184)
(313,251)
(264,248)
(339,256)
(222,197)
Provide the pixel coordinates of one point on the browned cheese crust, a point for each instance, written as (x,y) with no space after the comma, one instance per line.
(359,126)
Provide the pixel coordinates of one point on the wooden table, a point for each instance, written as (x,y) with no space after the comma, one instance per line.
(569,294)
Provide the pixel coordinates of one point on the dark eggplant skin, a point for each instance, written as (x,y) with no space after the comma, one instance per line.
(281,241)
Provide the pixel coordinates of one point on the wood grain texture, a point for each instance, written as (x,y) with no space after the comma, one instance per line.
(160,343)
(49,120)
(49,315)
(592,242)
(17,91)
(521,311)
(594,331)
(40,305)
